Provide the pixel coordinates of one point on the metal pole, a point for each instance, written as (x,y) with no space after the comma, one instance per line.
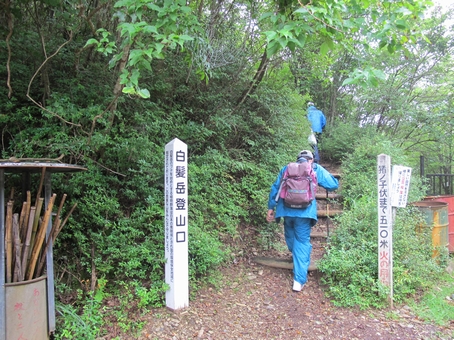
(49,260)
(2,257)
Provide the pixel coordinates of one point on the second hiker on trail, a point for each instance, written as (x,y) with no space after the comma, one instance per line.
(318,122)
(300,214)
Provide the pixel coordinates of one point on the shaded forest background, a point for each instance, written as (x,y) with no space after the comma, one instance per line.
(108,84)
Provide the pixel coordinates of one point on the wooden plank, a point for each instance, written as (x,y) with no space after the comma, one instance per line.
(280,263)
(324,213)
(321,234)
(322,196)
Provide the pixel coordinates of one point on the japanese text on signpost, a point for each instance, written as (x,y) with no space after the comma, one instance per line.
(176,224)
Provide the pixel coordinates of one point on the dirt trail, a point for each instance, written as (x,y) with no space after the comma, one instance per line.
(256,302)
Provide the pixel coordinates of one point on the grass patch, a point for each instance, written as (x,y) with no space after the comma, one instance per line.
(437,305)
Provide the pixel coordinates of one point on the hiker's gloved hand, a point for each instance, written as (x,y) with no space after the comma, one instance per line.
(270,215)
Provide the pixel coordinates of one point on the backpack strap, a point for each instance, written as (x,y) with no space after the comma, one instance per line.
(283,179)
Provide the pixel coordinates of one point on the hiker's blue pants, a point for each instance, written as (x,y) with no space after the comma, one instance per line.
(297,232)
(316,154)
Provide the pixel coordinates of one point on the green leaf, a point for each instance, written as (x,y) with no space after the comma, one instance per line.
(149,29)
(158,51)
(134,57)
(391,48)
(128,90)
(404,11)
(146,64)
(144,93)
(324,49)
(272,48)
(302,39)
(348,81)
(379,74)
(283,42)
(270,35)
(186,37)
(401,24)
(265,15)
(91,41)
(302,11)
(134,77)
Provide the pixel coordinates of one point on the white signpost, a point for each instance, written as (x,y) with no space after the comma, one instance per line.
(385,226)
(176,224)
(392,193)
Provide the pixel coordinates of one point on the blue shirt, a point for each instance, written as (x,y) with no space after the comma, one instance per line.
(324,179)
(317,119)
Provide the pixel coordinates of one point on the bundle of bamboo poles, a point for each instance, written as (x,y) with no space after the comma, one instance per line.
(26,244)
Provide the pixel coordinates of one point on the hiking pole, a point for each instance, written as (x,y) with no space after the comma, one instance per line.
(327,220)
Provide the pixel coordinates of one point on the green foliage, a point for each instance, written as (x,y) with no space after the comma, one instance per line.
(394,25)
(206,253)
(147,31)
(88,316)
(84,324)
(269,236)
(350,264)
(343,137)
(240,131)
(436,305)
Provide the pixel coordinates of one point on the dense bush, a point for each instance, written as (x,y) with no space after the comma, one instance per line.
(350,265)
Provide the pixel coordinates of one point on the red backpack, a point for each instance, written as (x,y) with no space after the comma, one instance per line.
(298,185)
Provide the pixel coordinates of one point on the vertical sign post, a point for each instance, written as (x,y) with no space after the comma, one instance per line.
(385,215)
(176,224)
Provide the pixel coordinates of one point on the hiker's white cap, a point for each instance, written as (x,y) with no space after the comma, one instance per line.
(306,153)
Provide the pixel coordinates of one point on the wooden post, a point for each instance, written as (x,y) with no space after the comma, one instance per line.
(385,223)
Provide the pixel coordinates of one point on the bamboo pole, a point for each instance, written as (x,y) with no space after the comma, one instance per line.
(27,216)
(11,194)
(40,187)
(9,242)
(54,234)
(43,257)
(51,237)
(22,218)
(17,249)
(26,250)
(40,238)
(65,220)
(39,206)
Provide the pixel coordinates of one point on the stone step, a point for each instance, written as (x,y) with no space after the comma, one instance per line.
(280,263)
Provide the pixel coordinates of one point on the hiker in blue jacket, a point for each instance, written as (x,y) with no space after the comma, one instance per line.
(298,222)
(318,122)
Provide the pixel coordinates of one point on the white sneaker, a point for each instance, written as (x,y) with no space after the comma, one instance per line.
(297,286)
